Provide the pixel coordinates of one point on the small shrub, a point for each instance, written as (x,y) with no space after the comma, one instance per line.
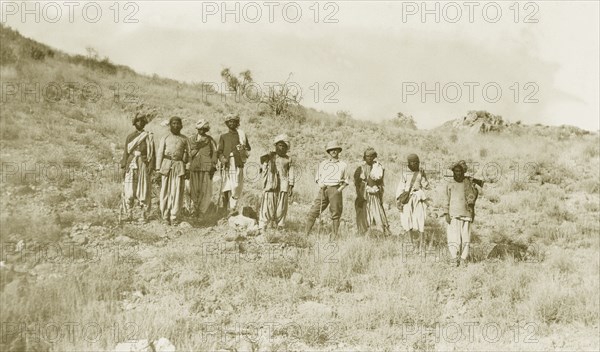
(107,195)
(10,132)
(7,56)
(279,267)
(562,263)
(38,54)
(483,152)
(517,186)
(80,188)
(560,214)
(54,199)
(592,151)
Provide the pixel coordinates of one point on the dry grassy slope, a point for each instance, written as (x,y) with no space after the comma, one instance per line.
(545,194)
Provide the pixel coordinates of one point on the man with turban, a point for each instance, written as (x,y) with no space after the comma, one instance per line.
(203,163)
(459,211)
(172,162)
(278,184)
(137,164)
(412,216)
(368,180)
(232,152)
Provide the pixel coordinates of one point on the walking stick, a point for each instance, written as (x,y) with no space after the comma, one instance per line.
(220,201)
(320,210)
(122,206)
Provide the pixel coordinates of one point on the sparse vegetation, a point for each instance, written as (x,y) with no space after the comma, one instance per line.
(282,98)
(360,293)
(404,121)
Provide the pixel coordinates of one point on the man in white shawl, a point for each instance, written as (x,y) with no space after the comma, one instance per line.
(368,180)
(137,165)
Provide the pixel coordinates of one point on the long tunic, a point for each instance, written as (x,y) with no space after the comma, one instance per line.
(278,178)
(459,229)
(173,154)
(138,161)
(227,147)
(233,175)
(203,161)
(413,213)
(368,180)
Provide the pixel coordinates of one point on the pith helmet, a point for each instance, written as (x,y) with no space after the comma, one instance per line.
(332,145)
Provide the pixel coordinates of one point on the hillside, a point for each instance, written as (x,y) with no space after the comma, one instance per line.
(485,122)
(67,260)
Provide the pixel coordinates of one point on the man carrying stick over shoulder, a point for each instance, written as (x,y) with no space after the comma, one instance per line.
(459,211)
(278,184)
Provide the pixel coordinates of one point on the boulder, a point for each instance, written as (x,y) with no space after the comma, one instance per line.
(185,225)
(242,223)
(79,239)
(163,345)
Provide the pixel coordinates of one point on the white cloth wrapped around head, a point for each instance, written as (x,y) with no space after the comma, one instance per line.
(282,138)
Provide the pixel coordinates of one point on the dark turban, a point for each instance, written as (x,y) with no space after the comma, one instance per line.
(413,157)
(460,165)
(140,117)
(370,152)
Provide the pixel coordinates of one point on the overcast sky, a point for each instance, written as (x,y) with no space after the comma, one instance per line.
(538,61)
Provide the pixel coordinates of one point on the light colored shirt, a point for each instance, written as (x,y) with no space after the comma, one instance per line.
(173,151)
(454,202)
(332,172)
(421,183)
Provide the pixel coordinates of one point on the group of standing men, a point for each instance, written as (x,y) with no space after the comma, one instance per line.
(179,158)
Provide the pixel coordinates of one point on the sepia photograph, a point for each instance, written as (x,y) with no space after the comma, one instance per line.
(280,176)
